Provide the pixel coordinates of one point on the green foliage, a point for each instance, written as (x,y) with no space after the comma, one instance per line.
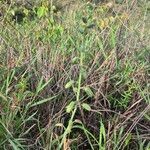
(69,84)
(70,107)
(86,106)
(88,91)
(102,137)
(42,11)
(74,75)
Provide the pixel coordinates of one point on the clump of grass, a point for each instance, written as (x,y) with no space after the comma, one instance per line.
(76,80)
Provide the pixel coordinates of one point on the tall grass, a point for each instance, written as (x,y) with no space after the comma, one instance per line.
(74,75)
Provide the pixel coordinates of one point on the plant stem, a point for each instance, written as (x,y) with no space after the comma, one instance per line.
(69,127)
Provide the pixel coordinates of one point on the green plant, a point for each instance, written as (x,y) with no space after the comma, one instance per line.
(74,76)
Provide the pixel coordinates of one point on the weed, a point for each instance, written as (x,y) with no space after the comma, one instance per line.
(74,75)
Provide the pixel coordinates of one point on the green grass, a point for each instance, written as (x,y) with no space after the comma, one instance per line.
(74,75)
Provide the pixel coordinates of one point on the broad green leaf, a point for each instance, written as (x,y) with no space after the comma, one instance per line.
(12,12)
(42,11)
(69,84)
(70,107)
(86,106)
(88,91)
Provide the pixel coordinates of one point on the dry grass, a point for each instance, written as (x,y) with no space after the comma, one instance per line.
(76,77)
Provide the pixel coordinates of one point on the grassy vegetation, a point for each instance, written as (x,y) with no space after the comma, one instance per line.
(74,75)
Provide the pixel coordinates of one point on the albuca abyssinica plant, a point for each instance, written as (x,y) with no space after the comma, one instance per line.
(74,75)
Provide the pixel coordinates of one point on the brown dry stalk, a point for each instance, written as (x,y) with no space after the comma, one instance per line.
(137,119)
